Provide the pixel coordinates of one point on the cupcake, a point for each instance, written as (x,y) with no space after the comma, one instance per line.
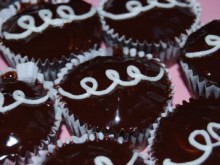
(29,119)
(90,149)
(116,94)
(158,27)
(200,60)
(189,135)
(48,33)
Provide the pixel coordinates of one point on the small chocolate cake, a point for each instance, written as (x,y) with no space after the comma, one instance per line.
(191,133)
(202,52)
(23,126)
(153,26)
(51,31)
(117,93)
(93,151)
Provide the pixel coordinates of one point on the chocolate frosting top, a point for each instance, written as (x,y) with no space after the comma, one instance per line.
(54,42)
(156,25)
(128,108)
(85,153)
(23,128)
(207,66)
(171,139)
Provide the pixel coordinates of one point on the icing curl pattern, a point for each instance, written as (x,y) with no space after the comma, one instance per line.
(114,76)
(207,148)
(135,7)
(28,23)
(19,98)
(103,160)
(211,40)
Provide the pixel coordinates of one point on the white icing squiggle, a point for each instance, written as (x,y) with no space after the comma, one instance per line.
(207,148)
(19,98)
(135,8)
(114,76)
(103,160)
(211,40)
(28,23)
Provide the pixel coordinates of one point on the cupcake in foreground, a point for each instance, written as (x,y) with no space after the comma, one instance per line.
(28,118)
(48,33)
(158,26)
(90,150)
(190,135)
(200,60)
(117,94)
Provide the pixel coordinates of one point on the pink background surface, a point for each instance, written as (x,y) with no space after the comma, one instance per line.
(210,11)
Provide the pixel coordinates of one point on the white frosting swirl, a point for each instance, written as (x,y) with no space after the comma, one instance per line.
(19,98)
(207,148)
(103,160)
(114,76)
(211,40)
(28,23)
(135,7)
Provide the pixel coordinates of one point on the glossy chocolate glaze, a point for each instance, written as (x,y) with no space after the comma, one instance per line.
(24,127)
(54,42)
(171,139)
(152,26)
(84,154)
(128,108)
(206,67)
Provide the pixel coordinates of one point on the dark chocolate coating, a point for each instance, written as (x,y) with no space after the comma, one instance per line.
(84,154)
(155,25)
(206,67)
(171,139)
(125,108)
(55,42)
(23,128)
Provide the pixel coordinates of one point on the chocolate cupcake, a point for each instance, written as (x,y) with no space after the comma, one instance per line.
(200,60)
(90,149)
(189,135)
(158,27)
(118,94)
(48,33)
(29,120)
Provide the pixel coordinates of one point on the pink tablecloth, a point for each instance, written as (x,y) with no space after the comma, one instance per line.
(210,11)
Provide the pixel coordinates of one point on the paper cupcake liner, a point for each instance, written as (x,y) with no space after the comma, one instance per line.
(197,85)
(28,72)
(48,67)
(151,160)
(78,128)
(41,156)
(167,52)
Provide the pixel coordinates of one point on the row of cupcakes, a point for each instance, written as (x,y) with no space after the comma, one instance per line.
(51,32)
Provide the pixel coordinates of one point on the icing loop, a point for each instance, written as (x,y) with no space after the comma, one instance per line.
(19,98)
(207,148)
(211,40)
(114,76)
(102,160)
(135,7)
(65,13)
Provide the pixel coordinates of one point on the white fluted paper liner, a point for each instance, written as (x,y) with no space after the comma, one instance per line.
(49,68)
(152,133)
(28,72)
(167,52)
(41,156)
(198,85)
(77,128)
